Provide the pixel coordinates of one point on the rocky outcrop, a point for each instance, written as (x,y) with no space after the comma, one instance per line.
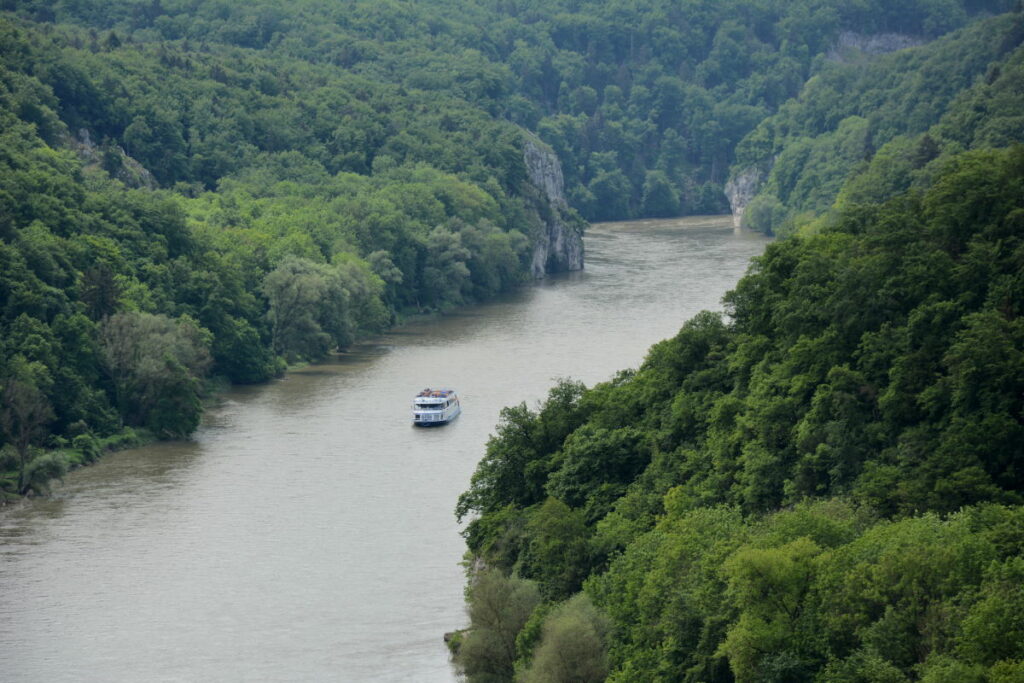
(740,189)
(113,160)
(558,231)
(744,183)
(850,44)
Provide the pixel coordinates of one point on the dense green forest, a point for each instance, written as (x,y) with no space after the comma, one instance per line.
(884,125)
(198,188)
(822,484)
(644,101)
(826,484)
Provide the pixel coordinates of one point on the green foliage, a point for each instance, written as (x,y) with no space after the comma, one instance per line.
(88,446)
(156,364)
(499,607)
(24,414)
(993,629)
(506,475)
(765,213)
(659,198)
(301,295)
(825,486)
(619,90)
(510,473)
(864,132)
(665,595)
(594,463)
(556,553)
(572,648)
(43,469)
(768,586)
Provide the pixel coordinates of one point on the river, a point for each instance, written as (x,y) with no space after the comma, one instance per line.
(306,531)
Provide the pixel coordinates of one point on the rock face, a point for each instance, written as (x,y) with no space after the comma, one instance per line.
(851,43)
(113,160)
(740,189)
(744,184)
(558,238)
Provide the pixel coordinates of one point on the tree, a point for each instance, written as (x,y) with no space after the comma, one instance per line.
(24,414)
(557,553)
(446,277)
(240,353)
(770,587)
(99,291)
(573,645)
(993,629)
(594,456)
(765,213)
(612,193)
(297,290)
(507,473)
(660,199)
(499,606)
(156,365)
(41,471)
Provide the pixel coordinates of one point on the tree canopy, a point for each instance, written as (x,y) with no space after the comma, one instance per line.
(864,131)
(824,484)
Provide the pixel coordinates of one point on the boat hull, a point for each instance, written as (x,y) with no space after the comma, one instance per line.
(435,407)
(435,419)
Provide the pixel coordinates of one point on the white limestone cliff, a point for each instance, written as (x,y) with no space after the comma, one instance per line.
(558,238)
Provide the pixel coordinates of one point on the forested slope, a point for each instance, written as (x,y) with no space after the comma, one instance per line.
(824,485)
(871,129)
(170,214)
(644,102)
(222,187)
(826,482)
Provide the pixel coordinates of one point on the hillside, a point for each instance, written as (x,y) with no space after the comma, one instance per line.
(173,214)
(644,102)
(872,130)
(825,485)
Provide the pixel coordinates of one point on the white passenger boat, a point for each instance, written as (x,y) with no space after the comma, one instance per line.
(435,407)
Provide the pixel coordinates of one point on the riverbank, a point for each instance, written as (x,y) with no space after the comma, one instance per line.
(49,464)
(306,528)
(86,449)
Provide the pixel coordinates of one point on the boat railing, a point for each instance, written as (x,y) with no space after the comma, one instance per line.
(435,393)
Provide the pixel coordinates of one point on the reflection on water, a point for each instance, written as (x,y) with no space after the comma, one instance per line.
(306,532)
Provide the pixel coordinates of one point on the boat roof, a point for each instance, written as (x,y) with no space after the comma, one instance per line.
(435,393)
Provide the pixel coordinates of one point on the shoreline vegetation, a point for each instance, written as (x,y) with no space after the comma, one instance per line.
(197,189)
(81,451)
(52,464)
(825,483)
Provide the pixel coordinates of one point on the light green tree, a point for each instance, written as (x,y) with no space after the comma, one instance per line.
(573,645)
(499,606)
